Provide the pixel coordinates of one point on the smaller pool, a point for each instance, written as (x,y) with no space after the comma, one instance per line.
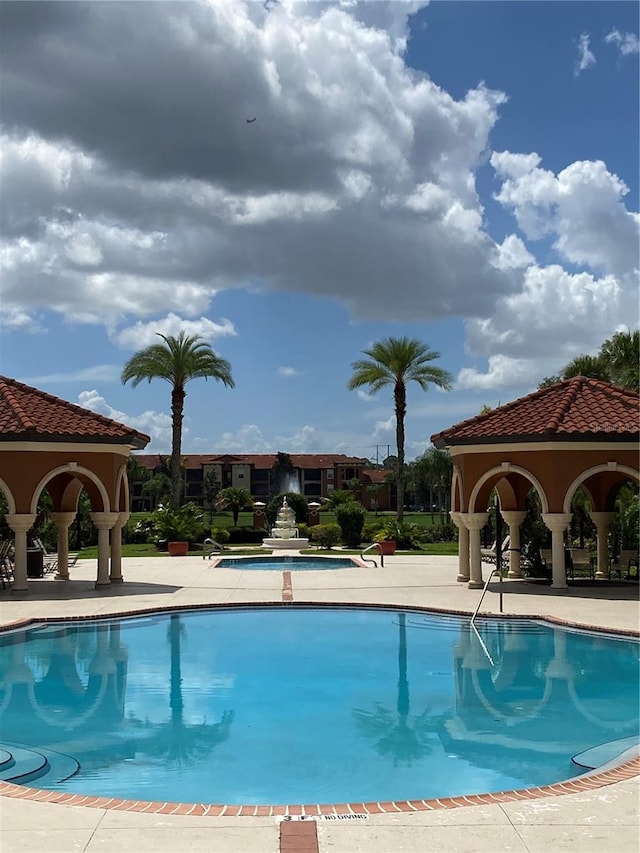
(279,564)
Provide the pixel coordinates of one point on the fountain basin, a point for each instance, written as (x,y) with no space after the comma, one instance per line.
(293,544)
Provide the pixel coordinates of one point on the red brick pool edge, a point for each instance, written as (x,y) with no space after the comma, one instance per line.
(628,770)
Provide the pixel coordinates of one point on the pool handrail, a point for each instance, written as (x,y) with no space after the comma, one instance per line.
(210,547)
(380,552)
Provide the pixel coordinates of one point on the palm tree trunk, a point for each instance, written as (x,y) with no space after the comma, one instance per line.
(177,407)
(400,396)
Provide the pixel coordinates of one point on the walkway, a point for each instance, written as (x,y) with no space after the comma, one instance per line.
(606,818)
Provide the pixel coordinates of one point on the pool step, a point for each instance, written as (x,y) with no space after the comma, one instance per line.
(23,765)
(605,753)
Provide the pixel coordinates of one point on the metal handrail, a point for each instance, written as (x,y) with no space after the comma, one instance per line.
(209,547)
(380,552)
(486,586)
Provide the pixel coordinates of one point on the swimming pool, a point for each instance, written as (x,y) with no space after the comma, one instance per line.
(311,705)
(287,562)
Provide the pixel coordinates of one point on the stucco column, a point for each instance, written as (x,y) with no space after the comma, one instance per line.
(115,574)
(463,546)
(104,521)
(602,521)
(557,522)
(474,522)
(514,518)
(62,521)
(20,523)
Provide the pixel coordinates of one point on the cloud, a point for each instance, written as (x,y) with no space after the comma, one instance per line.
(585,56)
(368,398)
(157,425)
(627,43)
(97,373)
(287,372)
(142,335)
(132,183)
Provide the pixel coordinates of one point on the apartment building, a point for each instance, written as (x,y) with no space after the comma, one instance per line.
(314,475)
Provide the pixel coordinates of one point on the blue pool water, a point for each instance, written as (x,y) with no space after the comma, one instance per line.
(291,563)
(311,705)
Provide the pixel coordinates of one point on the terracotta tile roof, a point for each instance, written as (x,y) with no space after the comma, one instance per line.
(32,415)
(257,460)
(576,408)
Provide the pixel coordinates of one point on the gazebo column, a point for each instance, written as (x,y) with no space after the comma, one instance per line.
(557,522)
(20,523)
(514,518)
(474,522)
(104,521)
(463,546)
(115,574)
(62,521)
(602,521)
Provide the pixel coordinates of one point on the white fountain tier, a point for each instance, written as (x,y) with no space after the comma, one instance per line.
(285,535)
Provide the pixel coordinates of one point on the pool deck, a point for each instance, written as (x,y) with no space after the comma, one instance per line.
(605,818)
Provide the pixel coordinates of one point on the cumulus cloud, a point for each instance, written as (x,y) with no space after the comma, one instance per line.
(157,425)
(287,372)
(585,57)
(251,439)
(134,188)
(140,187)
(627,43)
(142,335)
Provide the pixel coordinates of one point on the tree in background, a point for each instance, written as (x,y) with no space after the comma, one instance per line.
(617,362)
(396,362)
(177,360)
(234,499)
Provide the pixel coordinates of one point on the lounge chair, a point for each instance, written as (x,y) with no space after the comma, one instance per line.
(6,563)
(488,555)
(49,561)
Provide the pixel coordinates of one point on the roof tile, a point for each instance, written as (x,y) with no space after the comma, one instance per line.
(27,413)
(577,407)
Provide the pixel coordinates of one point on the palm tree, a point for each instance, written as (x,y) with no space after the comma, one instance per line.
(397,361)
(234,499)
(177,360)
(621,355)
(591,366)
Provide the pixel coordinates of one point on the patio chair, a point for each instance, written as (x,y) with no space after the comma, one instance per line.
(581,563)
(6,563)
(488,555)
(49,561)
(625,566)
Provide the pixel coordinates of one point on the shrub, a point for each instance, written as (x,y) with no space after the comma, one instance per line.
(370,531)
(220,535)
(246,535)
(186,523)
(351,520)
(326,535)
(407,536)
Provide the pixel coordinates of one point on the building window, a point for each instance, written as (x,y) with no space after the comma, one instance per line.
(330,474)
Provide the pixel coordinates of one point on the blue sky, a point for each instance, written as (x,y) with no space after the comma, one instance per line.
(462,173)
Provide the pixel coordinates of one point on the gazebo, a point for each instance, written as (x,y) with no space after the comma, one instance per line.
(46,442)
(580,432)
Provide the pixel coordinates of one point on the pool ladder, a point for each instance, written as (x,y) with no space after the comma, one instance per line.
(497,570)
(368,560)
(211,547)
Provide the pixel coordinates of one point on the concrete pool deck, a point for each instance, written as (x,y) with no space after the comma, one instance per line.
(591,821)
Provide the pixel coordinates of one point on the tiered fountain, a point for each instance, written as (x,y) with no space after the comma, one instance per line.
(285,534)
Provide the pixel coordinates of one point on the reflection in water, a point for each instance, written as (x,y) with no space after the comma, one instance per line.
(66,689)
(395,735)
(176,742)
(329,704)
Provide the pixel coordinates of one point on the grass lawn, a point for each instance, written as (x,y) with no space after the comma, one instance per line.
(148,550)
